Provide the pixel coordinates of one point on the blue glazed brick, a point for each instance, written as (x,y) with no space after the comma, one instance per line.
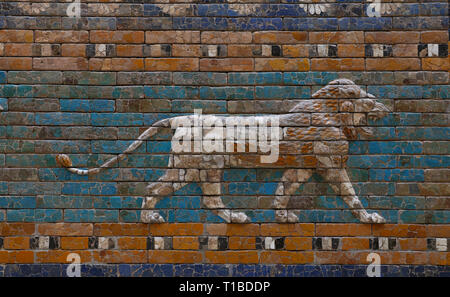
(171,92)
(117,119)
(186,215)
(83,105)
(90,215)
(396,175)
(2,218)
(17,202)
(261,216)
(180,202)
(156,147)
(285,92)
(358,147)
(440,217)
(59,174)
(255,78)
(378,161)
(145,161)
(250,188)
(200,23)
(208,106)
(127,92)
(308,78)
(48,201)
(239,175)
(59,118)
(130,216)
(34,188)
(337,202)
(420,23)
(4,104)
(212,218)
(34,215)
(434,9)
(2,77)
(412,216)
(132,202)
(249,24)
(302,24)
(226,92)
(394,147)
(114,146)
(190,189)
(89,188)
(408,202)
(365,23)
(436,91)
(107,202)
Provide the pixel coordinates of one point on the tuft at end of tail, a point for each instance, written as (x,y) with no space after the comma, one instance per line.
(64,160)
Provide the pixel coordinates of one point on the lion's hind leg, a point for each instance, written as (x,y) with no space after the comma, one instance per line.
(165,186)
(292,179)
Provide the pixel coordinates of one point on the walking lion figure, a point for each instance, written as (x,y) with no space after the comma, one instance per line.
(312,137)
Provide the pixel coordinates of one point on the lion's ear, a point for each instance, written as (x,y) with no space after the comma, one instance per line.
(350,132)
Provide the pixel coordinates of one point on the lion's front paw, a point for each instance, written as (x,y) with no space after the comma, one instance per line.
(149,216)
(377,219)
(239,217)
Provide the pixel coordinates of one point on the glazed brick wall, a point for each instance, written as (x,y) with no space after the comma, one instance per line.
(88,87)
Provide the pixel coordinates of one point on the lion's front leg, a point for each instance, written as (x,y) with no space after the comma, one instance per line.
(340,182)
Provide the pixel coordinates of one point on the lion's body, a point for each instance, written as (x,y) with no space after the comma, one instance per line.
(313,137)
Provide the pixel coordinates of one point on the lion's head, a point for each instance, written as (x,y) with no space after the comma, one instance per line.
(354,105)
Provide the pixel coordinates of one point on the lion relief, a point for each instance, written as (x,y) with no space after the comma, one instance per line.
(312,137)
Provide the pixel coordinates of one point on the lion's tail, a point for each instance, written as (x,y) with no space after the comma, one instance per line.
(65,161)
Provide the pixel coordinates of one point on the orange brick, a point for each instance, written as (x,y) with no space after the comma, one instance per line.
(400,257)
(355,243)
(332,257)
(74,243)
(132,243)
(434,37)
(242,229)
(16,36)
(405,50)
(247,50)
(15,229)
(100,64)
(127,64)
(185,243)
(298,243)
(172,37)
(336,37)
(281,64)
(241,243)
(59,36)
(124,229)
(16,243)
(159,256)
(123,256)
(278,37)
(171,64)
(345,64)
(129,50)
(400,230)
(438,230)
(227,64)
(73,50)
(342,229)
(231,257)
(350,50)
(174,229)
(392,37)
(298,50)
(55,256)
(7,257)
(116,36)
(435,64)
(8,63)
(393,64)
(186,50)
(287,229)
(65,229)
(18,49)
(219,37)
(286,257)
(413,244)
(216,229)
(439,258)
(57,63)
